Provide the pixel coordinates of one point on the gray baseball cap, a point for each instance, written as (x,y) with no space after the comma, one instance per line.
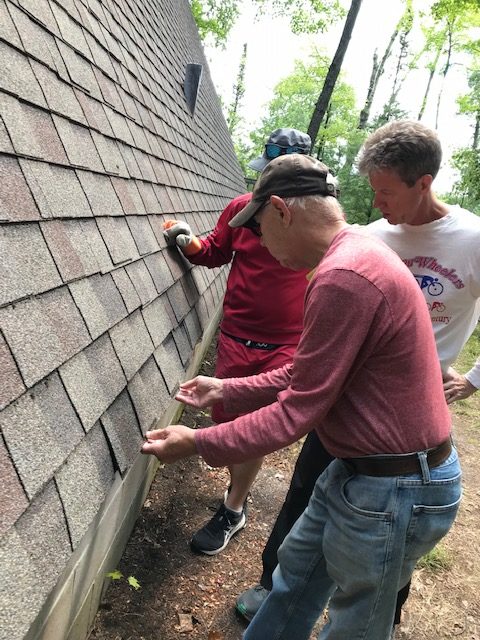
(286,176)
(287,141)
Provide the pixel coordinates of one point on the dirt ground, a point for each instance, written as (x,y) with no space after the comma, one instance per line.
(184,596)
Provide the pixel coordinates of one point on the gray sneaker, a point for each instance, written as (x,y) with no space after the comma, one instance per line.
(250,601)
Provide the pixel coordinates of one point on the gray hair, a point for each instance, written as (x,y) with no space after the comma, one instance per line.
(330,207)
(404,146)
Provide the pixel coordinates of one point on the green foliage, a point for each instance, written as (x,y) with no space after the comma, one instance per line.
(306,16)
(466,191)
(133,582)
(118,575)
(115,575)
(436,560)
(215,18)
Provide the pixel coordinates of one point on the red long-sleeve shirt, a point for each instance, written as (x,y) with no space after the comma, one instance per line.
(365,375)
(263,300)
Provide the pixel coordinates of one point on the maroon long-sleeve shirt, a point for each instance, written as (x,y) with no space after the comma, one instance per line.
(263,300)
(365,375)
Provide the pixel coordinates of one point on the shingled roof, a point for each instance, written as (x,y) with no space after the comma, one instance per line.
(98,319)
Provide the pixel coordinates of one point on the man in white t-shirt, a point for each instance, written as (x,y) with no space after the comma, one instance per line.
(440,244)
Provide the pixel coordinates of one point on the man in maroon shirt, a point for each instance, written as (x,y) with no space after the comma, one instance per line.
(357,378)
(261,323)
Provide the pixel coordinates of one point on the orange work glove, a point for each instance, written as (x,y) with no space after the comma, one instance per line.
(180,234)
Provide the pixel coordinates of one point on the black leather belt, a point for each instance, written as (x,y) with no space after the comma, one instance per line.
(398,465)
(253,344)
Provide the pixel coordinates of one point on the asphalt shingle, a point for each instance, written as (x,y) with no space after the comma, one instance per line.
(127,290)
(31,130)
(70,30)
(149,198)
(132,343)
(57,190)
(123,431)
(157,320)
(84,482)
(78,144)
(168,359)
(27,266)
(142,234)
(100,303)
(16,201)
(40,430)
(149,394)
(44,522)
(118,238)
(43,332)
(100,194)
(159,271)
(142,281)
(93,379)
(7,28)
(17,76)
(12,496)
(79,70)
(94,112)
(36,41)
(5,142)
(59,94)
(40,9)
(128,195)
(110,155)
(11,384)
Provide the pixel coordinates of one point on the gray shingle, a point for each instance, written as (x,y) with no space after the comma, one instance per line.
(36,41)
(94,112)
(100,55)
(22,590)
(168,360)
(27,266)
(17,76)
(129,196)
(159,271)
(40,9)
(70,248)
(110,154)
(16,202)
(56,190)
(100,303)
(184,347)
(178,299)
(60,95)
(70,30)
(100,194)
(117,237)
(5,143)
(43,332)
(123,431)
(98,246)
(78,144)
(12,495)
(127,290)
(119,126)
(157,321)
(130,160)
(132,343)
(142,234)
(7,28)
(11,384)
(149,394)
(79,70)
(93,379)
(84,482)
(109,90)
(31,130)
(193,327)
(177,263)
(142,281)
(148,196)
(40,430)
(44,522)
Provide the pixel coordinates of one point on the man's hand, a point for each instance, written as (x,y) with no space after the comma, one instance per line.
(170,444)
(201,392)
(456,386)
(180,234)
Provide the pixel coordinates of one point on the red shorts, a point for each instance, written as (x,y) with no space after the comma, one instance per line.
(236,360)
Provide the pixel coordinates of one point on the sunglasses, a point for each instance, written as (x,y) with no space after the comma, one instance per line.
(274,150)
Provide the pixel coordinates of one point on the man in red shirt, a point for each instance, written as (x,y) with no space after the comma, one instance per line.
(357,379)
(261,324)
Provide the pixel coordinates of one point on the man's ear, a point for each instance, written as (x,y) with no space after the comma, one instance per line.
(426,182)
(281,207)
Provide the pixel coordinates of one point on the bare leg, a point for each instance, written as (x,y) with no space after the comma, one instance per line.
(242,477)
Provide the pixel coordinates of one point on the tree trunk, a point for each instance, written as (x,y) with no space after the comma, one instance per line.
(448,64)
(476,133)
(333,72)
(239,92)
(377,70)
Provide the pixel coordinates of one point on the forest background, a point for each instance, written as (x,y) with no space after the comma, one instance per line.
(412,56)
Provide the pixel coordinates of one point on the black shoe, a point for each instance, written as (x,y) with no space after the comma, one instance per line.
(216,534)
(250,601)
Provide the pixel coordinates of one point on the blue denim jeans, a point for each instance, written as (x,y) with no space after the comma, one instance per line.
(354,547)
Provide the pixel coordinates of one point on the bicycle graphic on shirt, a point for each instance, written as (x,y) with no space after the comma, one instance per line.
(431,284)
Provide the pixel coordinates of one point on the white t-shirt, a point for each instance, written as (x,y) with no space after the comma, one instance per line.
(444,257)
